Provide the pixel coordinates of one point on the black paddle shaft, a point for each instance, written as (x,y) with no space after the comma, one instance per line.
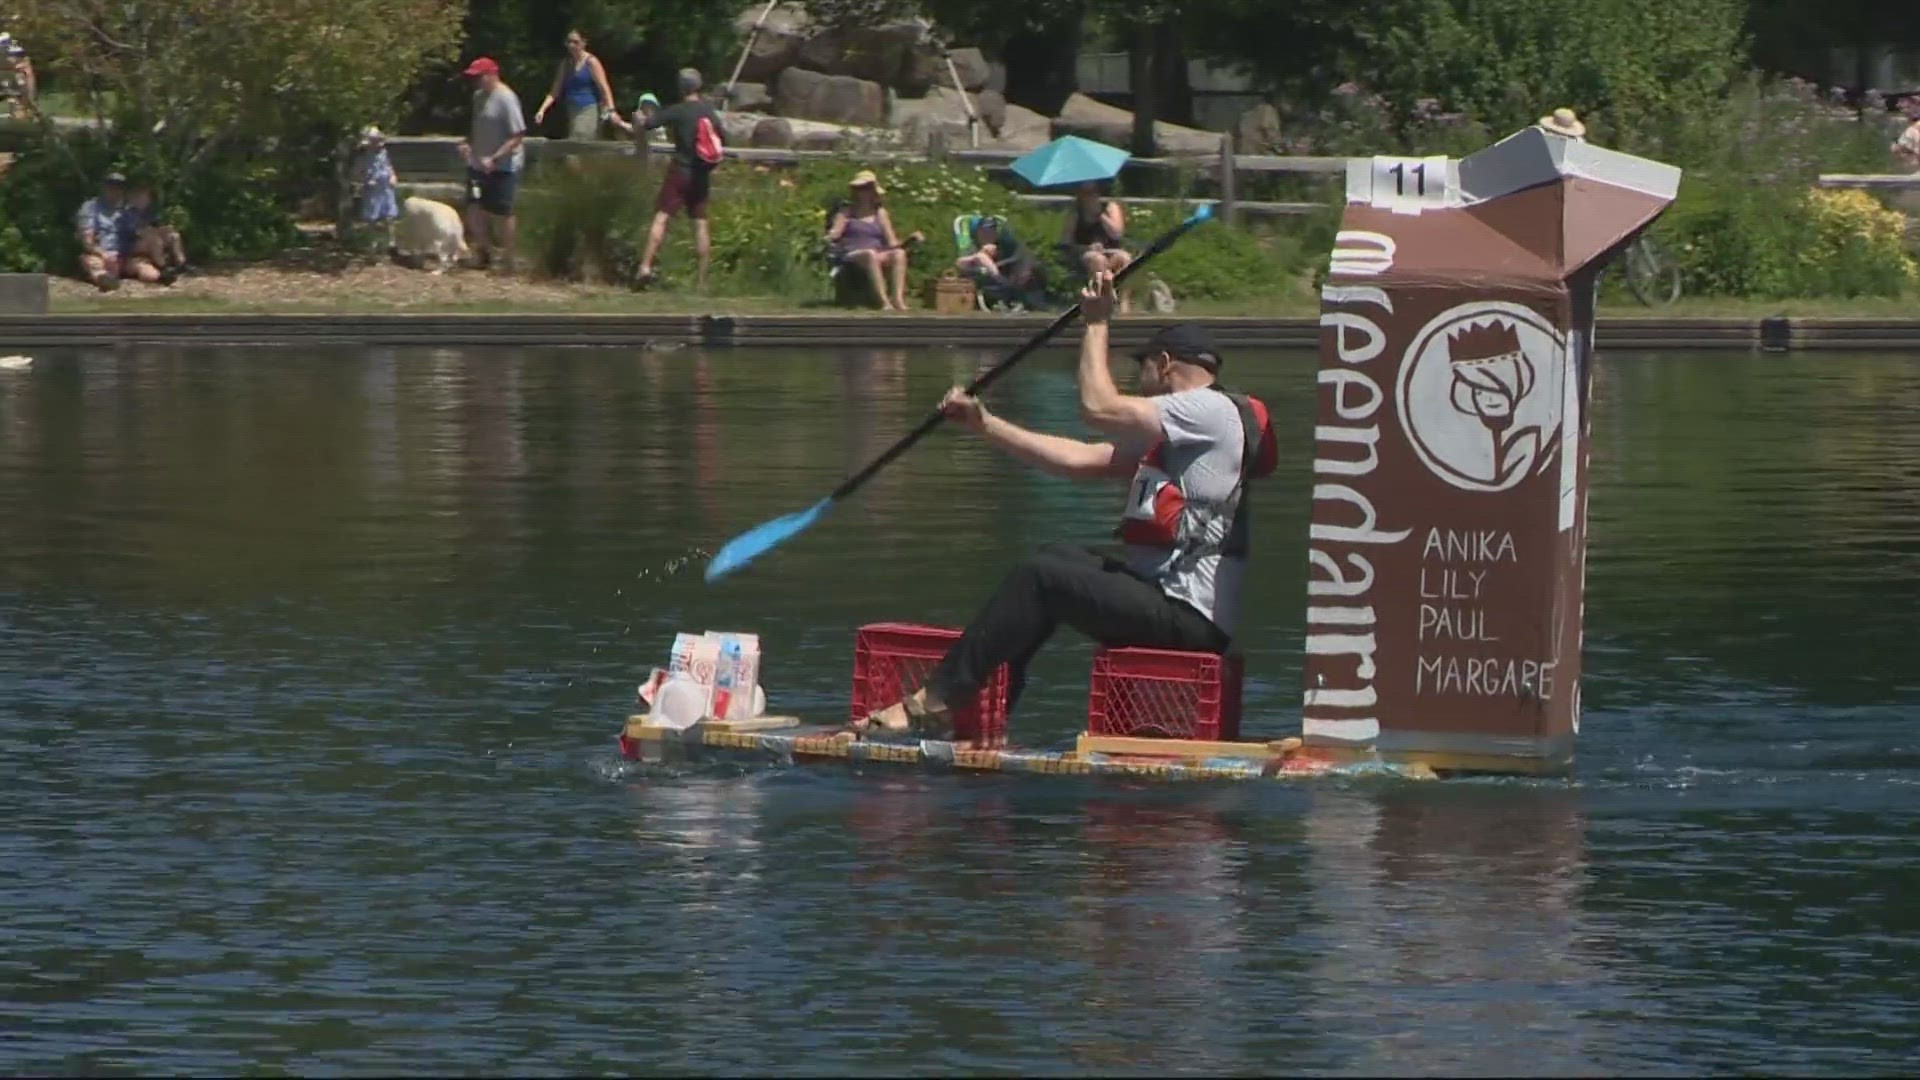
(989,376)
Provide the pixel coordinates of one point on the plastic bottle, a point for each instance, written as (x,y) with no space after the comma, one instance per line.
(726,677)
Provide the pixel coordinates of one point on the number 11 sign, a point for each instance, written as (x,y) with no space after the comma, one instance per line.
(1408,185)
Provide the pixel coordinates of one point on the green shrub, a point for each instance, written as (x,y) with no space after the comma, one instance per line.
(586,218)
(1779,242)
(224,207)
(767,225)
(16,255)
(1772,131)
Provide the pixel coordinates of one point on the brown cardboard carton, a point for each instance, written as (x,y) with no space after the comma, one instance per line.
(1448,540)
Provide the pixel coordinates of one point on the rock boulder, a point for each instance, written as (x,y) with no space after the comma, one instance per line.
(737,128)
(943,103)
(837,99)
(819,139)
(777,46)
(1258,130)
(749,97)
(875,53)
(773,133)
(1090,119)
(926,68)
(1023,129)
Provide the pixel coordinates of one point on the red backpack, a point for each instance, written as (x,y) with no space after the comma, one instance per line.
(706,141)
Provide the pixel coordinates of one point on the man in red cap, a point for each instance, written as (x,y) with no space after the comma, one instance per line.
(494,159)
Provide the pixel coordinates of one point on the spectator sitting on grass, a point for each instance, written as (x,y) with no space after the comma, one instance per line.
(999,263)
(1907,147)
(146,241)
(103,261)
(1095,238)
(862,235)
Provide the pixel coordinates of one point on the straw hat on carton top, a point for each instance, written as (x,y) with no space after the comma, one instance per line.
(1564,122)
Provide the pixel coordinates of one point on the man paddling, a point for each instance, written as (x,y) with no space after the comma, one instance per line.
(1189,447)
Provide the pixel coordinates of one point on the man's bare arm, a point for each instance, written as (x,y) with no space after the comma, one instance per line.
(1102,405)
(1057,454)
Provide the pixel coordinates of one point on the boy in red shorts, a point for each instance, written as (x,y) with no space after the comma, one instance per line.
(694,126)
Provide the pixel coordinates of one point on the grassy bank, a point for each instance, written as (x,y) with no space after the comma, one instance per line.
(370,291)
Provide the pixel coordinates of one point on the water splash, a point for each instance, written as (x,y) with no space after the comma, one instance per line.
(667,570)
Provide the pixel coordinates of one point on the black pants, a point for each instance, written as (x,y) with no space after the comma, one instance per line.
(1064,583)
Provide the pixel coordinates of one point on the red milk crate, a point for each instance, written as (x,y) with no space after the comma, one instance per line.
(892,660)
(1163,694)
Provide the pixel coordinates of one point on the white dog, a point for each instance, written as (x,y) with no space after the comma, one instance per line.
(429,228)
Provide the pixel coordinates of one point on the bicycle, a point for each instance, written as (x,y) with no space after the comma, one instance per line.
(1652,274)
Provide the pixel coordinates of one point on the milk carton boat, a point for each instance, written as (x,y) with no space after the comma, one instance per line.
(1447,544)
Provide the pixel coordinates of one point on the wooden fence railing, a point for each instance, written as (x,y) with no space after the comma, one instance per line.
(438,157)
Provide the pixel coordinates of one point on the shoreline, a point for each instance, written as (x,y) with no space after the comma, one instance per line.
(857,330)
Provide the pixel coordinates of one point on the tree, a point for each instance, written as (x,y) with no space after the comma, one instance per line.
(1038,40)
(1301,49)
(1794,37)
(642,43)
(187,79)
(1634,64)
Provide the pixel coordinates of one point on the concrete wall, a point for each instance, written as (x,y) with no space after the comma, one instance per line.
(23,294)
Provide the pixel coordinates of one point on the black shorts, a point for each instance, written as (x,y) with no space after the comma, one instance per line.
(493,191)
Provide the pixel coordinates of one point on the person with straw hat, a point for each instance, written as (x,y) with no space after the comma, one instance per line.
(1563,121)
(862,234)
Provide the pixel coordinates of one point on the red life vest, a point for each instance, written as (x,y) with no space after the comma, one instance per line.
(1157,510)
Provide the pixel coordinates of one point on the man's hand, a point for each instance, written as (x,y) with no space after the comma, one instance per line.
(1096,300)
(963,407)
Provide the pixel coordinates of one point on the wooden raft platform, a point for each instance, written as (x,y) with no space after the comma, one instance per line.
(784,739)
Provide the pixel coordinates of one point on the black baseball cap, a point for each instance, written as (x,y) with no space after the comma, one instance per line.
(1183,341)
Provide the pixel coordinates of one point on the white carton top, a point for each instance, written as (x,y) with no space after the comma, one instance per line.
(1527,158)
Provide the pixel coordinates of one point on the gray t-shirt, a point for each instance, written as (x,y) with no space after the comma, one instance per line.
(497,118)
(1204,444)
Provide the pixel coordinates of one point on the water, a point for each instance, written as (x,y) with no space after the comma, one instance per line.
(310,666)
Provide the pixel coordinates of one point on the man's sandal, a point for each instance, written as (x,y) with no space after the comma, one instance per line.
(920,721)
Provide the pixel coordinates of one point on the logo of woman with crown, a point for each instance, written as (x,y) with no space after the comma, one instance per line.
(1480,395)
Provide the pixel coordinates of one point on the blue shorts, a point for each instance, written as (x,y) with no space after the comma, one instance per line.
(494,191)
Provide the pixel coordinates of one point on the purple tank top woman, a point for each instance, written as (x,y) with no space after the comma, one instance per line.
(863,234)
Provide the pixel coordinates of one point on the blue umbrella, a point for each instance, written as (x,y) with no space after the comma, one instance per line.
(1070,159)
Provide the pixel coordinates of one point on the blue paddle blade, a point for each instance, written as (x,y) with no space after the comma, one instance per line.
(763,538)
(1201,213)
